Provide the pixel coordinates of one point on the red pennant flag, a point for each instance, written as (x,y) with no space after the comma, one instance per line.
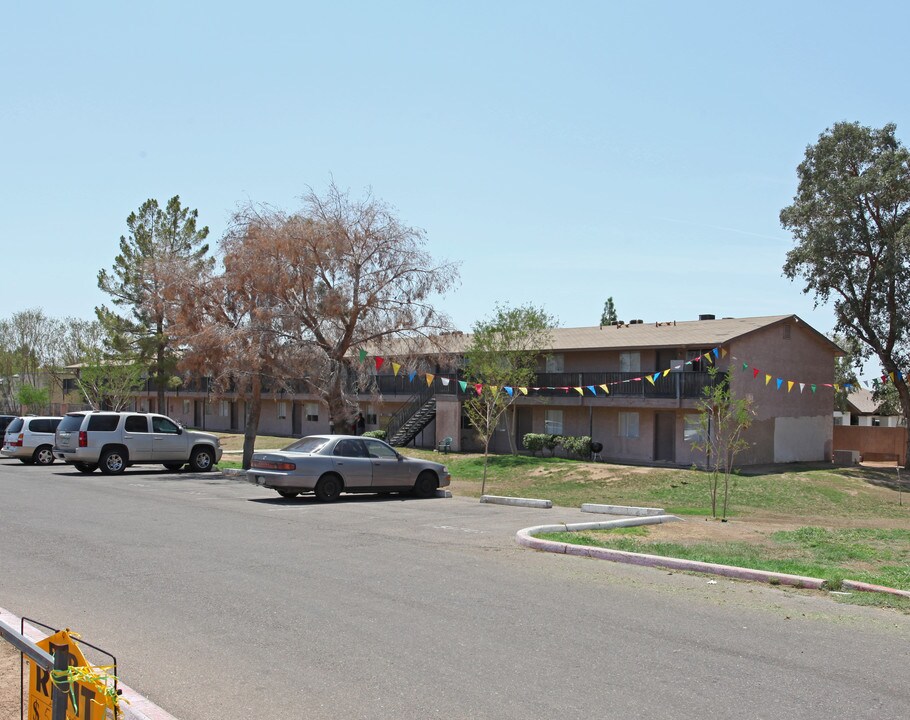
(478,388)
(379,362)
(755,372)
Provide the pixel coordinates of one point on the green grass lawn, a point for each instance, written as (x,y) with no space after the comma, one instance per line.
(878,556)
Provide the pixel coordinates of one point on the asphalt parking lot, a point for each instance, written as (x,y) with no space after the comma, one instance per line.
(223,600)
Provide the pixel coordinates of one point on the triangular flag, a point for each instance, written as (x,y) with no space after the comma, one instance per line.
(430,378)
(379,362)
(493,388)
(666,372)
(813,387)
(524,390)
(605,389)
(836,387)
(848,387)
(649,379)
(592,389)
(789,385)
(723,352)
(395,368)
(754,373)
(580,390)
(478,388)
(716,352)
(802,387)
(362,354)
(900,375)
(463,385)
(780,382)
(891,375)
(656,376)
(745,366)
(412,375)
(767,379)
(508,390)
(445,382)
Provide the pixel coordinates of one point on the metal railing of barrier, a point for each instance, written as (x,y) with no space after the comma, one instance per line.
(44,660)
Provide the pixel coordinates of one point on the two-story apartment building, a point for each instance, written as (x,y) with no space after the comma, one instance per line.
(634,388)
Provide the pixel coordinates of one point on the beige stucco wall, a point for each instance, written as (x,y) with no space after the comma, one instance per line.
(797,439)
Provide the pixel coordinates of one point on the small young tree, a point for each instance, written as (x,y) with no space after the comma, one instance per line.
(502,356)
(108,383)
(723,418)
(608,315)
(33,398)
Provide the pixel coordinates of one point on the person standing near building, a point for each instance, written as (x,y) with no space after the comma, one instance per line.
(361,424)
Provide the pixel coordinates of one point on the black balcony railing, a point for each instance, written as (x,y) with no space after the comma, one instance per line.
(686,385)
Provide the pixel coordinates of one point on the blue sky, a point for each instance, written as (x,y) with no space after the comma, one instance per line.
(562,152)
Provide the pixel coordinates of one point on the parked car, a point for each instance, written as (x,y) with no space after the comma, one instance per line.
(30,439)
(115,440)
(328,465)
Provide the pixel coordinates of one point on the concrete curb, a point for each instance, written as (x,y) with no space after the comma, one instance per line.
(515,501)
(526,538)
(869,587)
(139,708)
(621,510)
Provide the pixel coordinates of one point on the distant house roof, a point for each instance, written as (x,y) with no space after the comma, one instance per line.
(862,403)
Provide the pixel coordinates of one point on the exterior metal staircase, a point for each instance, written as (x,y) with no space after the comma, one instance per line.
(416,414)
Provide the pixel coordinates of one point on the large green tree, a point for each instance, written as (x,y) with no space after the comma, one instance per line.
(162,244)
(850,222)
(503,353)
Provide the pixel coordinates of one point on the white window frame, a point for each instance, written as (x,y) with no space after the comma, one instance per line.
(630,361)
(282,409)
(556,363)
(628,425)
(312,412)
(553,422)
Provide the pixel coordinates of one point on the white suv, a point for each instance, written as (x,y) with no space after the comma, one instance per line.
(115,440)
(30,439)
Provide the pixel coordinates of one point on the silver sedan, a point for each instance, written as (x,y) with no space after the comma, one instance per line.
(328,465)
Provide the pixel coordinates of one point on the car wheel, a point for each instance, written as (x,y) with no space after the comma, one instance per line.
(174,467)
(44,455)
(201,460)
(328,488)
(426,485)
(85,467)
(112,462)
(288,493)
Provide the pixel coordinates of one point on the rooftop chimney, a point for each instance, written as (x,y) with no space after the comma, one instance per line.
(705,317)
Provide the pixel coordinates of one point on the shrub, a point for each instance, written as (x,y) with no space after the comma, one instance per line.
(378,434)
(578,446)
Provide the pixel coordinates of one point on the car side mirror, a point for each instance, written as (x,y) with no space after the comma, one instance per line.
(179,430)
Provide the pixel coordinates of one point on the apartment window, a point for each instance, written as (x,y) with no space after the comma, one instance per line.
(282,409)
(312,412)
(630,361)
(553,422)
(692,433)
(628,424)
(696,360)
(556,363)
(224,408)
(786,331)
(370,416)
(186,407)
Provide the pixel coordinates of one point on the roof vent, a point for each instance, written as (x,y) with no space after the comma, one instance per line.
(705,317)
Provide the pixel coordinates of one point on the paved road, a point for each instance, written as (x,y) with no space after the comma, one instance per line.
(223,601)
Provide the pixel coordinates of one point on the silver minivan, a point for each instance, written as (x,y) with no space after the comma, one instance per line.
(31,439)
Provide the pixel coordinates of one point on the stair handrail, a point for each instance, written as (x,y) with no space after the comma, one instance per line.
(407,411)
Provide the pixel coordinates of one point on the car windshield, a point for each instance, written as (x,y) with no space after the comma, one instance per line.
(307,445)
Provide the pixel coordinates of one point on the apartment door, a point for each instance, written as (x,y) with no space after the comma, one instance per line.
(234,415)
(523,425)
(296,426)
(665,436)
(197,413)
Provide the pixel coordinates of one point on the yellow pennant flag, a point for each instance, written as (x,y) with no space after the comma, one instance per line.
(493,388)
(649,379)
(723,352)
(836,387)
(666,372)
(605,389)
(767,379)
(789,385)
(395,368)
(430,378)
(523,391)
(891,375)
(580,391)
